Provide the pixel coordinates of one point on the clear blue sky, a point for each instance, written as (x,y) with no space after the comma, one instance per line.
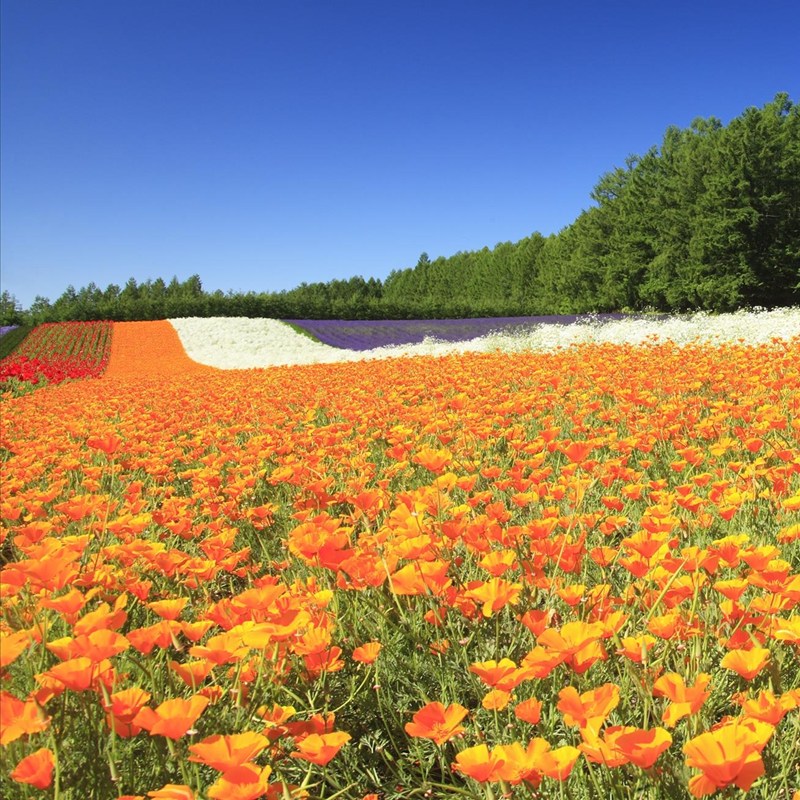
(260,143)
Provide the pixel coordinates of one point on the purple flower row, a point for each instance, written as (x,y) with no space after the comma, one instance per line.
(4,329)
(368,334)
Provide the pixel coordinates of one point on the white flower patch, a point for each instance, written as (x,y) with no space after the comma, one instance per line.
(244,343)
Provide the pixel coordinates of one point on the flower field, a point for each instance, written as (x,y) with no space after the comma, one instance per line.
(368,334)
(524,573)
(56,351)
(243,343)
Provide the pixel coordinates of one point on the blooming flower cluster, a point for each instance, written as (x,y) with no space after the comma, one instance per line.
(243,343)
(532,573)
(58,351)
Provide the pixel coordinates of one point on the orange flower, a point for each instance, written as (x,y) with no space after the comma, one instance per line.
(499,675)
(639,746)
(636,648)
(173,718)
(527,764)
(529,711)
(495,594)
(433,460)
(18,718)
(496,700)
(436,722)
(192,673)
(602,749)
(577,642)
(686,700)
(172,791)
(746,663)
(367,653)
(169,609)
(245,782)
(108,443)
(225,752)
(35,769)
(320,748)
(421,577)
(11,646)
(767,707)
(589,709)
(123,708)
(77,674)
(729,755)
(480,764)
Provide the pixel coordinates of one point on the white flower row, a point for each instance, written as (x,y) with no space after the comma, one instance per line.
(244,343)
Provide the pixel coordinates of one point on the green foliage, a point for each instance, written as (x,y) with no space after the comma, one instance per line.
(13,339)
(708,220)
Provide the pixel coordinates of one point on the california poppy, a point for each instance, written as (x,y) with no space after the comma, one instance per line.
(437,722)
(225,752)
(173,718)
(728,755)
(367,653)
(320,748)
(19,718)
(35,769)
(746,663)
(686,700)
(245,782)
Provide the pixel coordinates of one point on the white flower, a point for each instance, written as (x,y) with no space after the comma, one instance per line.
(244,343)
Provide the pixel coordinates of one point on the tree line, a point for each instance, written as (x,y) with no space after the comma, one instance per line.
(710,219)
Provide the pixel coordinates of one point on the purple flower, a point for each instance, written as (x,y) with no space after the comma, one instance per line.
(368,334)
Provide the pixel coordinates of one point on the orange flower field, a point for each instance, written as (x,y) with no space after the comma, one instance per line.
(572,574)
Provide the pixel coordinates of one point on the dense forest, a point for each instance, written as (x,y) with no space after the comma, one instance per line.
(710,219)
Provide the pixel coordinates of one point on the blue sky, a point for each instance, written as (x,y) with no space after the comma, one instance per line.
(260,144)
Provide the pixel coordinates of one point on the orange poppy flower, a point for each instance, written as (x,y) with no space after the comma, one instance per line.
(540,662)
(77,674)
(121,709)
(746,663)
(96,646)
(636,648)
(686,700)
(728,755)
(590,709)
(480,764)
(18,718)
(767,707)
(577,642)
(107,443)
(173,718)
(601,749)
(192,673)
(437,723)
(245,782)
(531,763)
(225,752)
(496,700)
(499,675)
(421,577)
(103,617)
(36,769)
(11,646)
(367,653)
(495,594)
(529,711)
(433,460)
(172,791)
(169,609)
(320,748)
(640,747)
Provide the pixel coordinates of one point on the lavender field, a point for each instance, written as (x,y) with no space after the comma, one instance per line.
(369,334)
